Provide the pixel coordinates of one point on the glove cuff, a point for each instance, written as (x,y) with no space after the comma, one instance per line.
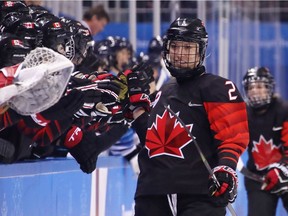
(228,170)
(283,167)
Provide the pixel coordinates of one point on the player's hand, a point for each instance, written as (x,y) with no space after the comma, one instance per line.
(65,107)
(84,148)
(276,179)
(226,190)
(138,89)
(105,75)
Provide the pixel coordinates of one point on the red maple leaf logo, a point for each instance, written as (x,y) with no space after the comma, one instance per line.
(265,153)
(167,136)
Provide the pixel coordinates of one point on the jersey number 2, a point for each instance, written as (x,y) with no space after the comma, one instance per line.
(231,90)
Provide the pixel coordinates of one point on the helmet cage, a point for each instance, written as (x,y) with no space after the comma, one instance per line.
(253,77)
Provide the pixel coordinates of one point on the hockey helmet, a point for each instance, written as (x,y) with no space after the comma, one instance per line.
(102,51)
(116,44)
(37,11)
(83,40)
(21,25)
(7,7)
(13,49)
(154,51)
(259,87)
(56,36)
(186,30)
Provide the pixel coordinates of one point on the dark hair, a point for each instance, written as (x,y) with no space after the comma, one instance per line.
(99,11)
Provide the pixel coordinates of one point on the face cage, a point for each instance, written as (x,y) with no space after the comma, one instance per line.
(70,49)
(259,101)
(186,61)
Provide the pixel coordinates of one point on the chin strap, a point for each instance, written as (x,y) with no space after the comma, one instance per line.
(190,74)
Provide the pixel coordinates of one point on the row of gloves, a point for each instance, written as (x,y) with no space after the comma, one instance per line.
(104,96)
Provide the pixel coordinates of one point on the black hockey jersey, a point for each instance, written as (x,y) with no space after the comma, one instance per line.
(268,138)
(214,111)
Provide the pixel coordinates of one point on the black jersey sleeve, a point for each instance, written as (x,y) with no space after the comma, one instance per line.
(140,126)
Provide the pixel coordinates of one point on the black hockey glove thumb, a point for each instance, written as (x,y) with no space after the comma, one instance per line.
(223,189)
(84,147)
(276,179)
(65,107)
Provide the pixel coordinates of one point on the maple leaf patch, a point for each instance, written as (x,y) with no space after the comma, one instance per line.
(265,153)
(167,136)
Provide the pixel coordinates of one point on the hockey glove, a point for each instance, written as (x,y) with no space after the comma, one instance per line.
(104,91)
(100,98)
(104,75)
(225,190)
(117,117)
(84,148)
(276,180)
(65,107)
(138,89)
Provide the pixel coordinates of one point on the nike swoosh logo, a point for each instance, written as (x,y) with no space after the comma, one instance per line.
(194,104)
(277,128)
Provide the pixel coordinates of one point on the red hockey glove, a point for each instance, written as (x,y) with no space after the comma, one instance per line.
(276,179)
(226,191)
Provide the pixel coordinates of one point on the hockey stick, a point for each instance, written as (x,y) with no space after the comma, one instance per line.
(247,173)
(203,158)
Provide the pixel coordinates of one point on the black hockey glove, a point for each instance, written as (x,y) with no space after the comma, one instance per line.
(117,117)
(138,89)
(276,179)
(65,107)
(105,91)
(226,191)
(84,148)
(104,76)
(100,98)
(141,68)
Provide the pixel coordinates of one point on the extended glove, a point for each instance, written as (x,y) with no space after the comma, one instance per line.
(65,107)
(142,69)
(138,89)
(104,75)
(100,98)
(84,148)
(276,179)
(226,190)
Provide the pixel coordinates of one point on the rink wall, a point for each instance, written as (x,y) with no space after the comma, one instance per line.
(58,188)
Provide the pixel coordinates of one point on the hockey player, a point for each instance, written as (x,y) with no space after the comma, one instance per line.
(268,146)
(173,179)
